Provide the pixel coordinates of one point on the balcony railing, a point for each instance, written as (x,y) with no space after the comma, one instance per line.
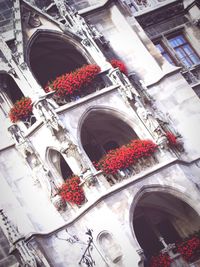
(139,166)
(135,6)
(192,75)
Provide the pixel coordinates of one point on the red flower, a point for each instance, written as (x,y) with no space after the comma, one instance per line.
(126,155)
(21,110)
(119,64)
(71,191)
(171,139)
(189,249)
(73,82)
(161,260)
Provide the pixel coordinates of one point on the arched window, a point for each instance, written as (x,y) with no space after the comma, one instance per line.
(50,55)
(59,165)
(110,248)
(102,131)
(162,215)
(10,88)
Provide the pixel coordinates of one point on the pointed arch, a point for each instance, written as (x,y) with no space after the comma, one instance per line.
(173,194)
(115,129)
(50,53)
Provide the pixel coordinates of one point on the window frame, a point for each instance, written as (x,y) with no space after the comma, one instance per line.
(170,51)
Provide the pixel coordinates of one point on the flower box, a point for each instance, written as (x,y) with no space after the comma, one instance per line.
(71,191)
(119,64)
(70,85)
(127,155)
(161,260)
(22,110)
(189,248)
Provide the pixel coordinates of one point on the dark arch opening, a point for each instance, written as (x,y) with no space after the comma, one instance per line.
(11,88)
(102,131)
(162,215)
(60,164)
(51,55)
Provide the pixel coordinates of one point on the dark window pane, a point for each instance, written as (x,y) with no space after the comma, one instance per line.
(184,51)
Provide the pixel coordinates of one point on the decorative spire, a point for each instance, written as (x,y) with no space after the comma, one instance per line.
(9,229)
(19,248)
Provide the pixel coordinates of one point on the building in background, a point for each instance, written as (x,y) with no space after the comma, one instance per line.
(100,147)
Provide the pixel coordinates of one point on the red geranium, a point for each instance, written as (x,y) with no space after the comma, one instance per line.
(119,64)
(70,83)
(171,139)
(190,249)
(162,260)
(71,191)
(126,155)
(21,110)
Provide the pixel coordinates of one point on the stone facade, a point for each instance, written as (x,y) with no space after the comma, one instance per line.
(124,215)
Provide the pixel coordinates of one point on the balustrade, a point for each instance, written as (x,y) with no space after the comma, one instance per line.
(139,166)
(192,75)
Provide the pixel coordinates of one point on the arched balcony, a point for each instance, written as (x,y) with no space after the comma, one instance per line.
(114,147)
(162,215)
(51,56)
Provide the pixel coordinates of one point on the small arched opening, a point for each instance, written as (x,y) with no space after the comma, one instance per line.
(59,165)
(102,131)
(160,214)
(10,88)
(110,248)
(51,55)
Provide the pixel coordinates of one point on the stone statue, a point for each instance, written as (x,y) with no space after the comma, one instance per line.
(47,113)
(147,117)
(152,125)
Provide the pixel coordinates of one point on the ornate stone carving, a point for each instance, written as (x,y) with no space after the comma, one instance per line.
(19,247)
(58,203)
(89,178)
(76,24)
(22,143)
(126,89)
(70,150)
(31,18)
(47,113)
(151,123)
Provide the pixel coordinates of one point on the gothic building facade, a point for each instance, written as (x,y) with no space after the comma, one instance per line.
(100,147)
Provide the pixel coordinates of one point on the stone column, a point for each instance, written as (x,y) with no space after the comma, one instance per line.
(176,258)
(20,73)
(18,247)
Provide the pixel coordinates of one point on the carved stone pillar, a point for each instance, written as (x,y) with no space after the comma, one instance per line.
(19,72)
(76,23)
(68,149)
(18,246)
(73,158)
(177,259)
(42,176)
(44,109)
(151,124)
(126,90)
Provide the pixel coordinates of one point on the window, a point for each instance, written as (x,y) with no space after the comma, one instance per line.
(164,53)
(184,51)
(177,49)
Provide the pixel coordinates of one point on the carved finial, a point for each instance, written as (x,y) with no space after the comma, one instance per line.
(10,230)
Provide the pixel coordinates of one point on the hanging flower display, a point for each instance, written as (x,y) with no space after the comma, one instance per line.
(172,139)
(119,64)
(126,155)
(71,191)
(189,249)
(72,83)
(21,110)
(162,260)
